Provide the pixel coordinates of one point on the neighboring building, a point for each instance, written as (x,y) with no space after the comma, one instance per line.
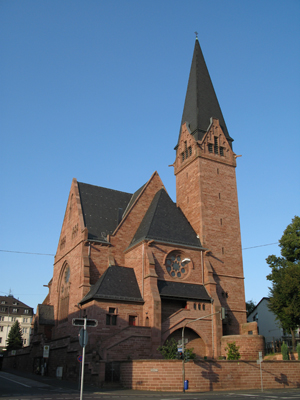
(12,310)
(269,327)
(144,266)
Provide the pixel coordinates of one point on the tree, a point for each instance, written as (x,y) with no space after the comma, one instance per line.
(250,305)
(14,339)
(285,277)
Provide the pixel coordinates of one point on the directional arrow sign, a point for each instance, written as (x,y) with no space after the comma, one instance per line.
(80,322)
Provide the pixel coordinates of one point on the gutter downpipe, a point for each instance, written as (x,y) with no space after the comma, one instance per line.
(202,264)
(143,266)
(212,329)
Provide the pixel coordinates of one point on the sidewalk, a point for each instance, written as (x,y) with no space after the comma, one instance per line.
(73,386)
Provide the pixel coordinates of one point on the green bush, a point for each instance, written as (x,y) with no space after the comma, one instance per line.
(285,351)
(298,350)
(169,351)
(232,351)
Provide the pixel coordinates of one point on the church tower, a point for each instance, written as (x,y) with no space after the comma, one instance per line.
(206,190)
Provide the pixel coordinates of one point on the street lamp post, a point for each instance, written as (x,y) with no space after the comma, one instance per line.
(222,315)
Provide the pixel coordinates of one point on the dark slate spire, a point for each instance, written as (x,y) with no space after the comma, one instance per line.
(201,102)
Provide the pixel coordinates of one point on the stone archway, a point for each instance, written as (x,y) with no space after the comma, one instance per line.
(194,341)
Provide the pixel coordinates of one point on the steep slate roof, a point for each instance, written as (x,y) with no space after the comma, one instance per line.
(133,198)
(117,283)
(180,290)
(100,207)
(201,102)
(10,303)
(165,222)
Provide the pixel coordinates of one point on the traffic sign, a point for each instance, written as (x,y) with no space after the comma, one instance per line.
(180,341)
(83,337)
(79,359)
(46,351)
(80,322)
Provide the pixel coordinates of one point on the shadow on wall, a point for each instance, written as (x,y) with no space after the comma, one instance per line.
(209,374)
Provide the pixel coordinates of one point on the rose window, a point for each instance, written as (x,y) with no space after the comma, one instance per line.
(177,264)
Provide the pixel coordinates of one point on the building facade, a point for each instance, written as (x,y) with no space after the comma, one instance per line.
(144,266)
(12,310)
(269,327)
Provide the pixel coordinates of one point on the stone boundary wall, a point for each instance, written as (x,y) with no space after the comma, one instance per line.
(249,345)
(166,375)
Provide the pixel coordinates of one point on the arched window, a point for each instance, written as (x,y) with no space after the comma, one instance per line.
(64,288)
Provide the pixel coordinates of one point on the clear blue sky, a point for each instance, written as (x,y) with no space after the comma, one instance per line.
(95,90)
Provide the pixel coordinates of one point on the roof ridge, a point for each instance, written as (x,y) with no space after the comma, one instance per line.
(143,188)
(103,187)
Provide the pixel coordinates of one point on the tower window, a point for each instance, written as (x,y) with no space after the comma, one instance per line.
(216,147)
(222,151)
(210,147)
(187,152)
(221,222)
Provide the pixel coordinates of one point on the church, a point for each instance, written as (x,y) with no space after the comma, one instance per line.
(142,265)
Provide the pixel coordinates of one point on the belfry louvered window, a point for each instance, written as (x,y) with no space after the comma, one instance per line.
(187,152)
(216,146)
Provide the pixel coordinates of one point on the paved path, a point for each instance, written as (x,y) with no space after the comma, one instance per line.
(17,385)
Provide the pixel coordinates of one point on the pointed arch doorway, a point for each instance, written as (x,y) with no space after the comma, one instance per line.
(194,341)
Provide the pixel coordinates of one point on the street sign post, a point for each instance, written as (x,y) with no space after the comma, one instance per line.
(83,339)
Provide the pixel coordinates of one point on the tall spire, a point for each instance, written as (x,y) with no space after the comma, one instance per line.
(201,102)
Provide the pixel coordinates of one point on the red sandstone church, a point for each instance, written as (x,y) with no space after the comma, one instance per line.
(144,266)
